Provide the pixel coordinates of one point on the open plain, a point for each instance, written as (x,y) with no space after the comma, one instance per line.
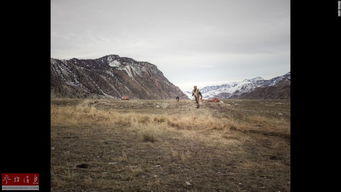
(164,145)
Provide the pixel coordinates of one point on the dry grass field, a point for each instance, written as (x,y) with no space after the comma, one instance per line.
(164,145)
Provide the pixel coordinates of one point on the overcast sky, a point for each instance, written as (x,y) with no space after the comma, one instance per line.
(193,42)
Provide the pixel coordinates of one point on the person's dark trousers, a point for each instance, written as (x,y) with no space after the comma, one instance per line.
(197,101)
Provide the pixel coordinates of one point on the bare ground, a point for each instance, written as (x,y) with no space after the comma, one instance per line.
(162,145)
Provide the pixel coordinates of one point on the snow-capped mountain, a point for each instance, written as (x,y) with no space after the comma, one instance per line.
(280,89)
(242,88)
(110,76)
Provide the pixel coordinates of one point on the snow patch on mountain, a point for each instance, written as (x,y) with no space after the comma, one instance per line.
(114,63)
(235,89)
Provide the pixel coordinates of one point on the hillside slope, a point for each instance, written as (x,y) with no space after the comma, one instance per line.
(110,76)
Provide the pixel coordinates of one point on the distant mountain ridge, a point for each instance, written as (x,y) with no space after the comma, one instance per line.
(110,76)
(255,88)
(279,90)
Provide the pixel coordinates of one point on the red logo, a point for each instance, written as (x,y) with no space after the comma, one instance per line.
(20,181)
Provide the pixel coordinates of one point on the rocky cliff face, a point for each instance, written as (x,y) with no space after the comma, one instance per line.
(110,76)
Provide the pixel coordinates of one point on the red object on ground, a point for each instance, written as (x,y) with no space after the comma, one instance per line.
(125,98)
(213,100)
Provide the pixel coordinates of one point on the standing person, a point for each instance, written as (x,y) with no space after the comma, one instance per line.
(197,94)
(177,98)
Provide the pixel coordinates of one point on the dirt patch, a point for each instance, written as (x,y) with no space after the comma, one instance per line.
(83,165)
(265,133)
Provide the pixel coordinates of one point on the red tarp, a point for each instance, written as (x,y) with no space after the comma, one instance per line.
(125,98)
(213,100)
